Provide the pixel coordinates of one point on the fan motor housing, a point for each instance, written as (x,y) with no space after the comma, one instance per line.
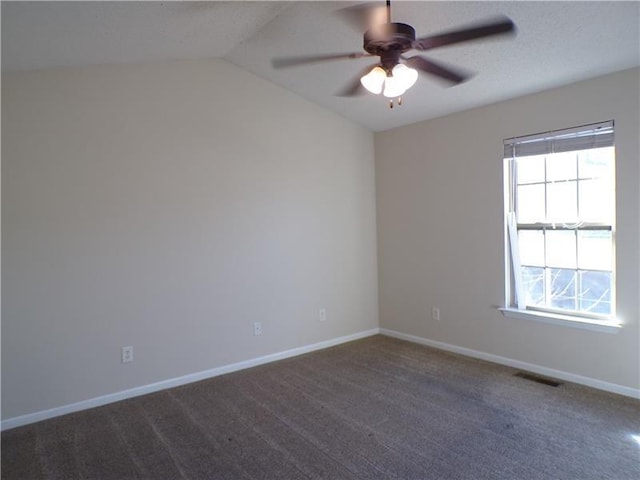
(388,37)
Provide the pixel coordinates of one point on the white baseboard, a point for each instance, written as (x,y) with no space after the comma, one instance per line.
(549,372)
(214,372)
(175,382)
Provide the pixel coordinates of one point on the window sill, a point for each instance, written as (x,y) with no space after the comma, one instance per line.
(612,326)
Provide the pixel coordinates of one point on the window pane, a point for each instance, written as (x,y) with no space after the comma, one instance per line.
(562,166)
(596,200)
(530,205)
(562,288)
(562,202)
(595,292)
(533,279)
(561,248)
(596,163)
(565,211)
(530,169)
(531,244)
(595,250)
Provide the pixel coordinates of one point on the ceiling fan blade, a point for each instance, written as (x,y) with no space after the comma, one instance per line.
(354,88)
(497,26)
(437,69)
(363,16)
(285,62)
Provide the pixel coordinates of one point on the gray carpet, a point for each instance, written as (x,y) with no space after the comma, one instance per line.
(377,408)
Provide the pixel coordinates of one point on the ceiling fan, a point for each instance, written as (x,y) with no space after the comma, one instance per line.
(395,73)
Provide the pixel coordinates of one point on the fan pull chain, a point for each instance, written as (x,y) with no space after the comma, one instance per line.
(398,102)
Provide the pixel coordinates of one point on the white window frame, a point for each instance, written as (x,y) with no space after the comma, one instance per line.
(578,138)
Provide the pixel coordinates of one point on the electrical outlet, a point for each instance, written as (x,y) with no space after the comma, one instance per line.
(257,328)
(322,314)
(435,314)
(127,354)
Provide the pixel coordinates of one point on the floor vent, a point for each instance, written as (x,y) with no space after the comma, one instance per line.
(538,379)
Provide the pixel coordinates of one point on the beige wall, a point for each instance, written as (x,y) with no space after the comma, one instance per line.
(440,229)
(142,207)
(169,206)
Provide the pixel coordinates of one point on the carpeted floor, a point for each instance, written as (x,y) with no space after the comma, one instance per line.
(377,408)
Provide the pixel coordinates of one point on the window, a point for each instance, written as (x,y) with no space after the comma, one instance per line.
(560,212)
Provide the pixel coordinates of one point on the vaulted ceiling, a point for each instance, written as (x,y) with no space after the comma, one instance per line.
(556,43)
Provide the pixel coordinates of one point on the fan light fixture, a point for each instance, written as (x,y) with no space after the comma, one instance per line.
(393,84)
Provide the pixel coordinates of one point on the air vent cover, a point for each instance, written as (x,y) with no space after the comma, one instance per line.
(537,378)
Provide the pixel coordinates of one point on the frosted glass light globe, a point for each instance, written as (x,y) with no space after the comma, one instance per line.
(374,80)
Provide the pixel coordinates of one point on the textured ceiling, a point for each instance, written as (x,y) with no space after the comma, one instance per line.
(557,43)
